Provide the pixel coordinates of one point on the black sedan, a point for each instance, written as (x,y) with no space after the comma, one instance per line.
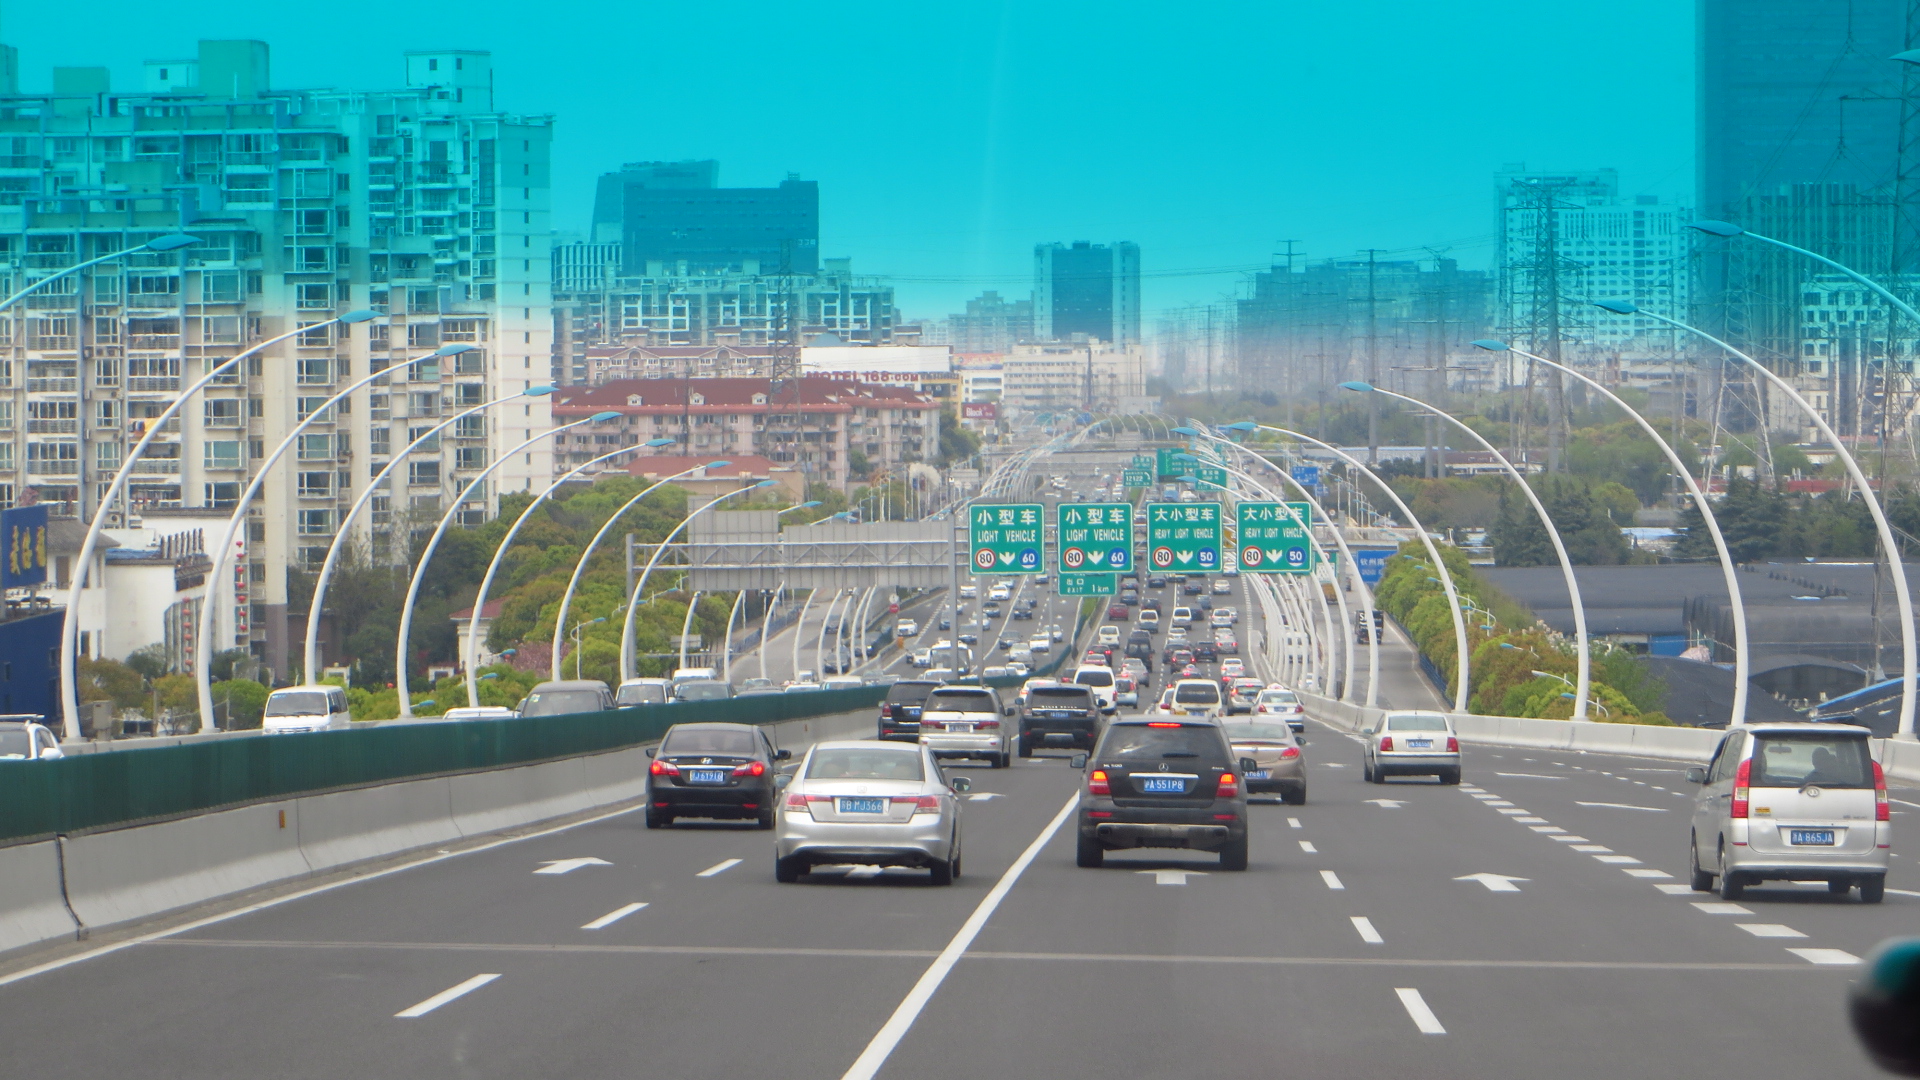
(712,771)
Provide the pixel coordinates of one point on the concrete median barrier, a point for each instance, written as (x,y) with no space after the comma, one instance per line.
(345,827)
(136,873)
(32,909)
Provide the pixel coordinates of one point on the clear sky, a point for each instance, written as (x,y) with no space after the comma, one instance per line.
(949,138)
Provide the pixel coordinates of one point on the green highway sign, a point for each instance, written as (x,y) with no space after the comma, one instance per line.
(1141,461)
(1096,536)
(1207,474)
(1005,538)
(1138,478)
(1163,462)
(1184,537)
(1088,584)
(1271,540)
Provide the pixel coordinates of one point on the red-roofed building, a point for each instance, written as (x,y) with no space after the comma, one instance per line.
(740,470)
(828,427)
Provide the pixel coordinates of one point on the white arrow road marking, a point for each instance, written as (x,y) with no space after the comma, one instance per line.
(612,917)
(1494,882)
(564,866)
(1367,933)
(1623,806)
(1416,1007)
(983,796)
(1332,879)
(1769,929)
(1386,804)
(445,996)
(1529,776)
(1171,877)
(1825,956)
(718,868)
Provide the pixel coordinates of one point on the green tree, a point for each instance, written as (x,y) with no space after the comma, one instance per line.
(957,444)
(150,662)
(110,680)
(241,702)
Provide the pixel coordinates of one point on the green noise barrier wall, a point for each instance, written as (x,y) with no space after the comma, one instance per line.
(93,791)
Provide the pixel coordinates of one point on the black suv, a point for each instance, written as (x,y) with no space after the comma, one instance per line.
(900,712)
(1204,651)
(1163,784)
(712,771)
(1065,715)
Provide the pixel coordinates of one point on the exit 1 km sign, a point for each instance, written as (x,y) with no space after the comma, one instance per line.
(1096,536)
(1087,584)
(1004,539)
(1184,537)
(1272,539)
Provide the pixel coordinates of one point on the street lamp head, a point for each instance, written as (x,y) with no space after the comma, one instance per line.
(423,704)
(765,483)
(1357,385)
(453,350)
(537,391)
(1911,56)
(601,619)
(490,675)
(1187,431)
(1508,645)
(1540,674)
(1490,345)
(604,417)
(658,442)
(1244,425)
(1566,695)
(808,505)
(1618,307)
(1724,229)
(172,242)
(508,652)
(360,316)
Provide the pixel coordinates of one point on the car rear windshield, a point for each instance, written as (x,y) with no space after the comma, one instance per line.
(299,703)
(643,694)
(1094,677)
(1197,745)
(1416,723)
(909,693)
(959,701)
(1059,697)
(682,740)
(860,763)
(1838,761)
(1279,697)
(702,691)
(560,703)
(1196,693)
(1260,733)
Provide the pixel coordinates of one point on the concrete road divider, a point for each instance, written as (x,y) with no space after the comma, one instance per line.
(126,874)
(32,908)
(344,827)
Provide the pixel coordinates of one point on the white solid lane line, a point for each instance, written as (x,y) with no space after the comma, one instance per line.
(1332,879)
(612,917)
(1416,1007)
(718,868)
(1367,933)
(875,1055)
(1307,846)
(1769,929)
(1825,956)
(445,996)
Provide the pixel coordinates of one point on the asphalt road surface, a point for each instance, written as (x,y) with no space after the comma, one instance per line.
(1351,948)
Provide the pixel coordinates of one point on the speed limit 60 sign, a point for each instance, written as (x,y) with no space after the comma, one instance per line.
(1096,537)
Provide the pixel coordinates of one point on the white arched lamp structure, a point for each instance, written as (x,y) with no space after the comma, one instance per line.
(640,587)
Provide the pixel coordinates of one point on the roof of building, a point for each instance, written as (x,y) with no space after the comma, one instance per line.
(490,611)
(730,395)
(65,535)
(741,466)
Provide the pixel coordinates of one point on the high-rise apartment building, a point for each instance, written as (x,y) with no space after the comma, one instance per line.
(1566,240)
(991,324)
(1090,290)
(425,203)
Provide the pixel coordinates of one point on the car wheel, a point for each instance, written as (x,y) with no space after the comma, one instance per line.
(1026,747)
(788,870)
(1732,887)
(1005,761)
(942,872)
(1089,853)
(765,820)
(1873,889)
(1366,770)
(1451,776)
(1234,855)
(1697,879)
(659,819)
(1295,796)
(1839,887)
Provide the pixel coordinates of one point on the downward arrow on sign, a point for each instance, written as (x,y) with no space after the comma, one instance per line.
(1494,882)
(562,866)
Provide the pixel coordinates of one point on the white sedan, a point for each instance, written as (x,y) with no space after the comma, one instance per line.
(869,804)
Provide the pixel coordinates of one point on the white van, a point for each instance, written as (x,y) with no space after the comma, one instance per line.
(1182,616)
(306,708)
(1099,679)
(642,692)
(693,674)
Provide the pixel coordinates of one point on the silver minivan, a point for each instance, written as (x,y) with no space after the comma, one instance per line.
(1793,802)
(306,708)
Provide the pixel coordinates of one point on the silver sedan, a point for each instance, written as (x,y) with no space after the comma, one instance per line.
(869,803)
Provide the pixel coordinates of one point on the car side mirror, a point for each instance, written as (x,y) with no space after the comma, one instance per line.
(961,784)
(1079,761)
(1367,731)
(1697,775)
(1008,711)
(1247,765)
(649,751)
(783,755)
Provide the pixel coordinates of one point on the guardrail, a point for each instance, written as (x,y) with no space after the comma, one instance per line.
(91,792)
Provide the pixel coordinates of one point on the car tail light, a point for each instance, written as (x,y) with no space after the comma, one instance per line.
(979,724)
(1453,745)
(1093,713)
(886,712)
(663,768)
(1229,786)
(930,725)
(1290,752)
(1881,810)
(797,802)
(752,768)
(922,804)
(1386,743)
(1097,783)
(1740,788)
(1162,723)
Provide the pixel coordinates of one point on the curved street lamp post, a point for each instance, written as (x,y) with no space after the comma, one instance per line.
(640,587)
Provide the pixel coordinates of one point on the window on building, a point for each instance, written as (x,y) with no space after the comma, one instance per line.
(223,494)
(470,457)
(221,412)
(432,443)
(316,485)
(221,454)
(423,473)
(307,406)
(316,448)
(315,522)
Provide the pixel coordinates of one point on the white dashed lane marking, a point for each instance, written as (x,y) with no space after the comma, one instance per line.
(1307,846)
(1721,908)
(1825,956)
(445,996)
(612,917)
(1367,933)
(1332,879)
(1416,1007)
(1769,929)
(718,868)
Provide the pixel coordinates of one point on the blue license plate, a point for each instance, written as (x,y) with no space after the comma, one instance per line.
(1163,785)
(863,806)
(707,776)
(1259,774)
(1810,836)
(1420,744)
